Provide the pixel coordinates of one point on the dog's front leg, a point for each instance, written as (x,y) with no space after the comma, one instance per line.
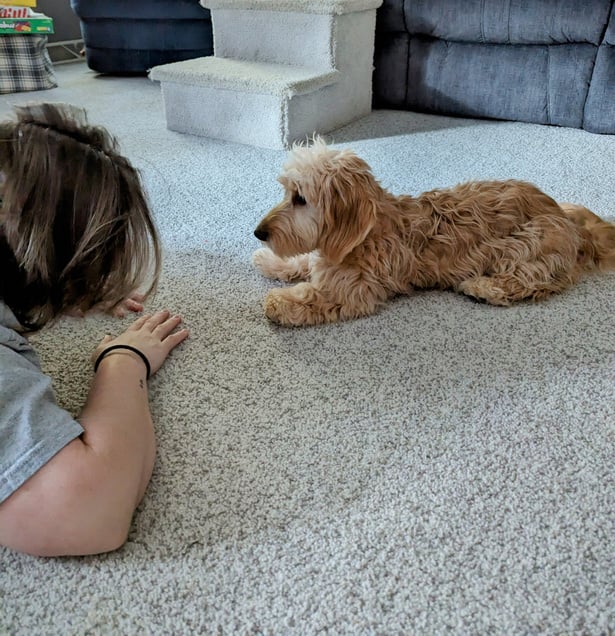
(286,269)
(307,304)
(299,305)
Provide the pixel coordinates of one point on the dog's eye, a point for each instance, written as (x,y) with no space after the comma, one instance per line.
(298,199)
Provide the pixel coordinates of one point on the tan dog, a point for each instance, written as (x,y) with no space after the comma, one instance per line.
(356,245)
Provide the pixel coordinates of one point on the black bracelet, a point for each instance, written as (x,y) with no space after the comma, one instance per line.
(123,346)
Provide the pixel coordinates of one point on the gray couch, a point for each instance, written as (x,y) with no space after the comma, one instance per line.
(542,61)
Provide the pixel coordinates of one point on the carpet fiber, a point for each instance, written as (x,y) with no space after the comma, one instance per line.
(442,466)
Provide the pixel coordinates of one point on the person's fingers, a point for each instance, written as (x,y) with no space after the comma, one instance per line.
(168,326)
(158,318)
(172,340)
(132,304)
(139,322)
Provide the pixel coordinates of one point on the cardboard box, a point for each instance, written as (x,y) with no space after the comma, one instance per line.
(19,12)
(18,3)
(36,26)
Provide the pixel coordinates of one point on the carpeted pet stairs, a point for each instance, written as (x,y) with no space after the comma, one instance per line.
(281,71)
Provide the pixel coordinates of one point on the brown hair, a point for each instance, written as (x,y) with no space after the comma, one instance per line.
(75,226)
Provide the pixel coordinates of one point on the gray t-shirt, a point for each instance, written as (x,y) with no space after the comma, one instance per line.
(33,428)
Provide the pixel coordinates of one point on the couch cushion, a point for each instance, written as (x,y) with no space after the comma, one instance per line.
(542,61)
(525,83)
(498,21)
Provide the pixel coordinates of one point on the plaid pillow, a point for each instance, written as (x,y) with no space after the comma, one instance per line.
(25,64)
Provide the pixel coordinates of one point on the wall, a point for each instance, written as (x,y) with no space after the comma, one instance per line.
(67,28)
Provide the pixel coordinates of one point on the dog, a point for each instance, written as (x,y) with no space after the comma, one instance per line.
(354,245)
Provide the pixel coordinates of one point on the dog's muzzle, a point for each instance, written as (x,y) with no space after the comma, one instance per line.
(261,235)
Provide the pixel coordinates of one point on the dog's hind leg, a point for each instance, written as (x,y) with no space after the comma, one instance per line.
(506,289)
(535,262)
(532,280)
(287,269)
(495,290)
(599,248)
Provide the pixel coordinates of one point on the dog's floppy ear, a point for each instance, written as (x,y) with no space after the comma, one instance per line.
(349,197)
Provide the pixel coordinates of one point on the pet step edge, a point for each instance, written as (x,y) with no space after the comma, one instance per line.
(330,7)
(245,76)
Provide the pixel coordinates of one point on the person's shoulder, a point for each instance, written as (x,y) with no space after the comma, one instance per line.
(7,317)
(11,340)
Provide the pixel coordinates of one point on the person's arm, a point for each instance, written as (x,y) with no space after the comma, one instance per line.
(83,499)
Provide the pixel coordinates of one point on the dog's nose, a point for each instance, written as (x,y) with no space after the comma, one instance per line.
(261,234)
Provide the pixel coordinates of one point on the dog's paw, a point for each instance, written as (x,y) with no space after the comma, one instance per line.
(266,262)
(485,289)
(289,269)
(282,308)
(278,308)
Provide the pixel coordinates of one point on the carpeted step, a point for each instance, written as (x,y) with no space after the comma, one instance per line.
(273,36)
(295,32)
(245,76)
(282,71)
(242,101)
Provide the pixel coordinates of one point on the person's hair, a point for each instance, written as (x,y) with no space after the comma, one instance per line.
(75,226)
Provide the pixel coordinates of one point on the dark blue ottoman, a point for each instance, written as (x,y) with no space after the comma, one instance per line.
(131,36)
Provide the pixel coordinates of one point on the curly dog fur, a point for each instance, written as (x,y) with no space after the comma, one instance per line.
(355,245)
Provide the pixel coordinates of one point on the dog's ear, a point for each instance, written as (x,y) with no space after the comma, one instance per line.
(349,198)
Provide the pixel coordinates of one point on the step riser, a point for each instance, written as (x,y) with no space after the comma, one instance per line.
(246,118)
(310,40)
(296,39)
(265,121)
(326,110)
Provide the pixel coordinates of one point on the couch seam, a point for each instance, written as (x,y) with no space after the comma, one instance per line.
(600,44)
(409,42)
(548,83)
(403,16)
(606,23)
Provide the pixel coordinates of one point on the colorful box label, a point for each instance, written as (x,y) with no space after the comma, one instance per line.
(19,12)
(25,26)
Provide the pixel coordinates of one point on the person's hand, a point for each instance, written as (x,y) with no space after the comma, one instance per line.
(154,335)
(133,303)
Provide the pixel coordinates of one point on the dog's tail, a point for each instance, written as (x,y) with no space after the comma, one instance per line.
(599,247)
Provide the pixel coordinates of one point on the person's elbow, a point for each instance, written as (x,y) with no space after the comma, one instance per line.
(86,543)
(70,507)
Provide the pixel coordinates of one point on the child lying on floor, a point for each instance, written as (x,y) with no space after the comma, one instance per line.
(76,234)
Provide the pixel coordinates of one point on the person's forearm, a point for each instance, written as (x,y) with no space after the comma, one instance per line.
(82,501)
(117,420)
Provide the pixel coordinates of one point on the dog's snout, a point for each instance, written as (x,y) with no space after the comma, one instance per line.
(261,234)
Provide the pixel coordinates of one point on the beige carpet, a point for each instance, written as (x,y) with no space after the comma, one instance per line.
(441,467)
